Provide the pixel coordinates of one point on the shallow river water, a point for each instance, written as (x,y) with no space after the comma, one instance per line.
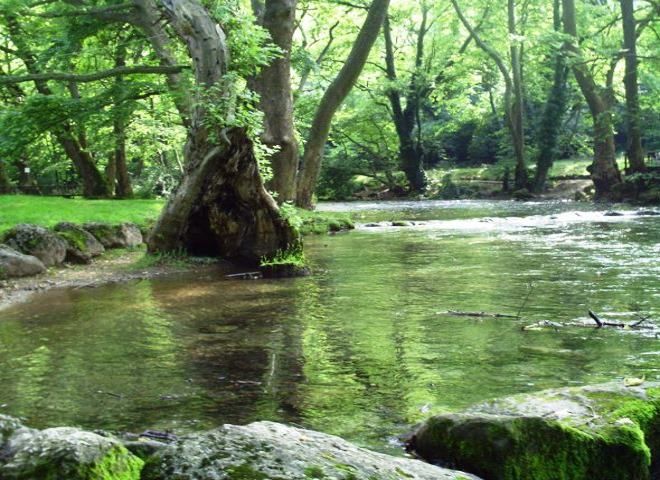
(364,347)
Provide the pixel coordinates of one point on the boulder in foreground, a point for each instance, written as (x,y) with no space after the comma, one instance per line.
(62,453)
(15,264)
(38,242)
(604,432)
(271,451)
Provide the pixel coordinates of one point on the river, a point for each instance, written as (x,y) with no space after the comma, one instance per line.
(364,348)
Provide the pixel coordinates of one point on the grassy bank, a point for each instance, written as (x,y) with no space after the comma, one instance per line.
(48,211)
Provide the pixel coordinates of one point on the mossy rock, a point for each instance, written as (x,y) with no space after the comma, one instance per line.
(62,453)
(16,264)
(605,432)
(271,451)
(38,242)
(82,246)
(124,235)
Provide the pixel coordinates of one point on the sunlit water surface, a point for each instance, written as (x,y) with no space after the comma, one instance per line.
(362,348)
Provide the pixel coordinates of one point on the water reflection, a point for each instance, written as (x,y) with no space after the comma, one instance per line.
(362,348)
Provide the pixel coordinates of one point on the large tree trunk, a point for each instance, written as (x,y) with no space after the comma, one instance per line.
(635,152)
(274,87)
(221,207)
(604,170)
(333,98)
(410,154)
(552,113)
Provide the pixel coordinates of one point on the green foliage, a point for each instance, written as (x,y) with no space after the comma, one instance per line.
(293,256)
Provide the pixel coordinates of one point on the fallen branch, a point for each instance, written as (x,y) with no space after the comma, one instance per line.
(456,313)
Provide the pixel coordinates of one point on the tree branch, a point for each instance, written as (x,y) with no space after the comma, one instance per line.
(92,77)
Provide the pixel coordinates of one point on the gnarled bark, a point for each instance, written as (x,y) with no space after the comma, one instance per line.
(221,207)
(333,98)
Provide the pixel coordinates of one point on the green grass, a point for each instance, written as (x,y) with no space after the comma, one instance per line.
(48,211)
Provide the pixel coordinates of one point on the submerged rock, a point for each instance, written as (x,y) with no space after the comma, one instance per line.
(38,242)
(16,264)
(82,246)
(271,451)
(62,453)
(124,235)
(605,432)
(402,223)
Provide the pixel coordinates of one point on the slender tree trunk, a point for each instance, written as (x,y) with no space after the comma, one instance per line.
(123,187)
(634,147)
(410,155)
(604,170)
(513,90)
(552,113)
(111,171)
(333,98)
(221,207)
(5,185)
(274,87)
(517,107)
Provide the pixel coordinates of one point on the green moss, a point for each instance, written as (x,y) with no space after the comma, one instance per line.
(118,464)
(314,472)
(74,238)
(504,448)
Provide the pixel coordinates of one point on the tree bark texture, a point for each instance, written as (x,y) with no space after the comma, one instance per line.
(634,147)
(604,170)
(273,84)
(221,207)
(333,98)
(552,113)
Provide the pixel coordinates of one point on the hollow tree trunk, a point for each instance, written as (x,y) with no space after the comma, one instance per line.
(333,98)
(221,207)
(635,152)
(274,87)
(604,170)
(552,113)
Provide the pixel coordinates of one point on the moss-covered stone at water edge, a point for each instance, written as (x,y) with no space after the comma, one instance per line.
(605,432)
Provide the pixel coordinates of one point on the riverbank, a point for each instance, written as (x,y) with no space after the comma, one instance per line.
(115,266)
